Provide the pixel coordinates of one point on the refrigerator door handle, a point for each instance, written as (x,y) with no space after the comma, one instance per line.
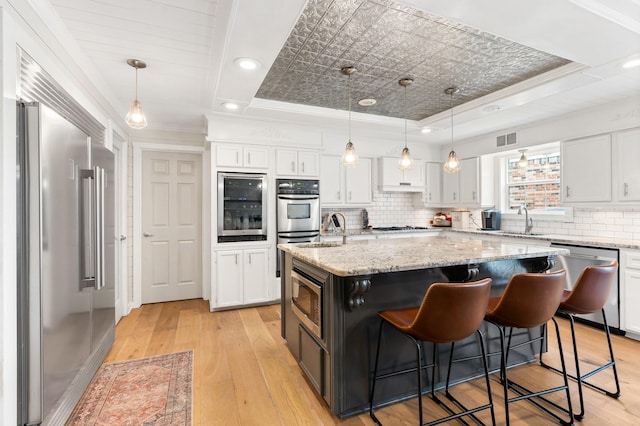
(99,218)
(87,226)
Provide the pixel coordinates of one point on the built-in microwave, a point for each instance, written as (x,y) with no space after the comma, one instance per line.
(306,302)
(242,207)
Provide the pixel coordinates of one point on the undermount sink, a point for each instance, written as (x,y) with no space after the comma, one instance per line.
(519,233)
(320,244)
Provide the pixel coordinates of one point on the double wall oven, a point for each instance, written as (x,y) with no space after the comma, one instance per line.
(297,211)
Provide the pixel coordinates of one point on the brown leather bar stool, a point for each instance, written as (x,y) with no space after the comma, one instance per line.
(529,300)
(448,313)
(588,296)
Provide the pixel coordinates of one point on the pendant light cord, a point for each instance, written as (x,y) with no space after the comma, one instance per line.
(405,116)
(136,83)
(349,107)
(451,109)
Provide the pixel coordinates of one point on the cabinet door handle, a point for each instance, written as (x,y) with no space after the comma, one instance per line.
(568,191)
(237,157)
(302,167)
(626,189)
(349,195)
(249,259)
(338,195)
(454,196)
(429,196)
(236,259)
(473,195)
(293,166)
(248,158)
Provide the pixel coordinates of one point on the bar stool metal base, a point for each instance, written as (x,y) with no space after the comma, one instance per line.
(535,397)
(453,415)
(581,378)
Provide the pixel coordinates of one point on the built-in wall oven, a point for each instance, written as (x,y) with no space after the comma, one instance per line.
(298,212)
(242,207)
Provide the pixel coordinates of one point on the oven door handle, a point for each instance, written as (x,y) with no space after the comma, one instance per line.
(297,197)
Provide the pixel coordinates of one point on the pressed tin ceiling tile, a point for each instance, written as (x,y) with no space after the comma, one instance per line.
(386,41)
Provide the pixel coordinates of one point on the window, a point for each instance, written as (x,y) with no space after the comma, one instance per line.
(537,186)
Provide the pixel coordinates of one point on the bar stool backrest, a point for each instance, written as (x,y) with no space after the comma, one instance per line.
(450,312)
(592,289)
(529,300)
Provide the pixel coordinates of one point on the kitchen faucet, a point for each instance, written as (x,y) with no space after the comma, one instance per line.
(528,222)
(344,226)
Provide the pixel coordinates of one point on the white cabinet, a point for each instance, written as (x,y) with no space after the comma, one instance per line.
(462,188)
(241,277)
(296,163)
(586,170)
(344,187)
(391,178)
(627,184)
(433,185)
(242,156)
(630,291)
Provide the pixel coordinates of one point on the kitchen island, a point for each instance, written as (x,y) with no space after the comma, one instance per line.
(335,342)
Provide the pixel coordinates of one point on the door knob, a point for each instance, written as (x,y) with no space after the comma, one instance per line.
(123,237)
(148,234)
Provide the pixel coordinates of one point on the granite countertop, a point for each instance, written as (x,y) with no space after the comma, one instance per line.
(366,257)
(615,243)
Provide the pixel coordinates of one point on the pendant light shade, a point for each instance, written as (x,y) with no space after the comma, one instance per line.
(452,165)
(523,163)
(406,161)
(350,157)
(135,117)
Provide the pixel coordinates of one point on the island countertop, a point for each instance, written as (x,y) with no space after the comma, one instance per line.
(404,254)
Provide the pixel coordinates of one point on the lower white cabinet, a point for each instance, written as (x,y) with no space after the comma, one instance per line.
(242,277)
(630,291)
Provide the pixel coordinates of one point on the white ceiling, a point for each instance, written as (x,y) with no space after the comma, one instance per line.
(190,47)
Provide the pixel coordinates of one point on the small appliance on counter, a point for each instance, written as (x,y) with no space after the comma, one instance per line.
(490,220)
(460,219)
(442,220)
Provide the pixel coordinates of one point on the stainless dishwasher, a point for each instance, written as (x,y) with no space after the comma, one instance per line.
(579,258)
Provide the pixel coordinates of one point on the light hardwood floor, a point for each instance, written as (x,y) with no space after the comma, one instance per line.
(245,375)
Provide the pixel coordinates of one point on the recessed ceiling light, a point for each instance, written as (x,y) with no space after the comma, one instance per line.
(247,63)
(231,106)
(367,102)
(425,130)
(632,63)
(492,108)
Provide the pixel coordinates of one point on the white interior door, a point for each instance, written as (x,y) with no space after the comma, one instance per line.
(171,226)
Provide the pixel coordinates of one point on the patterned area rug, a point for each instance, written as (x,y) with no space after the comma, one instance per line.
(147,391)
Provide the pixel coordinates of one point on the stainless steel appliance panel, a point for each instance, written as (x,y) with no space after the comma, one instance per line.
(60,266)
(578,259)
(242,206)
(298,212)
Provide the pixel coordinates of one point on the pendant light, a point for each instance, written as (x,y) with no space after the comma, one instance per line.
(452,165)
(350,157)
(523,163)
(135,117)
(406,162)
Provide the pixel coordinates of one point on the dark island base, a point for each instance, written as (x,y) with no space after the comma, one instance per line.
(352,326)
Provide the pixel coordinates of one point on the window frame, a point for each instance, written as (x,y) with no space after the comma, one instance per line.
(564,214)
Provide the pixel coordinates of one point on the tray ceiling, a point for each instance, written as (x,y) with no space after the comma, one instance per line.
(387,41)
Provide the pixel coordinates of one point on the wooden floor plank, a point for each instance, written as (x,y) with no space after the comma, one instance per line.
(245,375)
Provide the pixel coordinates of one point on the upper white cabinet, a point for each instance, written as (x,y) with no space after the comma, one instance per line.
(344,187)
(627,184)
(242,156)
(432,194)
(586,170)
(463,188)
(391,178)
(296,163)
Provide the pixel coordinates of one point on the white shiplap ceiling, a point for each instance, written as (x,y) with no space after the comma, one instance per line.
(190,45)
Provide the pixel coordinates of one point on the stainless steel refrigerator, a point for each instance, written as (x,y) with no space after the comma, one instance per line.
(66,274)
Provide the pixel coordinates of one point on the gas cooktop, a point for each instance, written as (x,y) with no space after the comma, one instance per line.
(398,228)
